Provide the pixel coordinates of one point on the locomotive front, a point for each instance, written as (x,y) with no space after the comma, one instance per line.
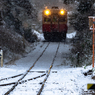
(54,24)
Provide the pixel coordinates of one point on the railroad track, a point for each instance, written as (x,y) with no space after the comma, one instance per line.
(20,80)
(22,74)
(16,83)
(48,72)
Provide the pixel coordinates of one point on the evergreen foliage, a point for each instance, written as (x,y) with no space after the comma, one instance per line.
(68,2)
(85,6)
(13,10)
(12,15)
(28,34)
(79,20)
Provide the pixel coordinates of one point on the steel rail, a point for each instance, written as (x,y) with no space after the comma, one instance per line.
(48,73)
(13,87)
(23,81)
(23,73)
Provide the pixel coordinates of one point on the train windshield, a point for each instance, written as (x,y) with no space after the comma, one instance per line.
(62,19)
(55,18)
(47,19)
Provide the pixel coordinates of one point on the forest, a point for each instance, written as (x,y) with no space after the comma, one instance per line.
(17,17)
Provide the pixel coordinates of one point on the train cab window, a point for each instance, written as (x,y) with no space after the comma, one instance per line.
(55,19)
(47,19)
(62,19)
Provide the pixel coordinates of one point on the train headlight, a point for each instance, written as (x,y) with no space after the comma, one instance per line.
(47,12)
(62,12)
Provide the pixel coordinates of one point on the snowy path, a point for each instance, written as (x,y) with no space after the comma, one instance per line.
(66,81)
(62,59)
(40,66)
(45,61)
(26,62)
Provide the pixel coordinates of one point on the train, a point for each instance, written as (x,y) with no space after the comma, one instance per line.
(54,23)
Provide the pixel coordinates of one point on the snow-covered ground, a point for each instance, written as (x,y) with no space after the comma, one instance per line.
(71,35)
(69,81)
(66,81)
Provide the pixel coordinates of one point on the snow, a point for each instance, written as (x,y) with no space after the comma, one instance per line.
(67,80)
(41,38)
(71,35)
(39,35)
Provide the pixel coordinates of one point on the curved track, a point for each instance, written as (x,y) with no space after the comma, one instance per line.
(45,73)
(16,83)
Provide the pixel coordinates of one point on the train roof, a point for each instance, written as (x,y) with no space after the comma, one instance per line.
(55,7)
